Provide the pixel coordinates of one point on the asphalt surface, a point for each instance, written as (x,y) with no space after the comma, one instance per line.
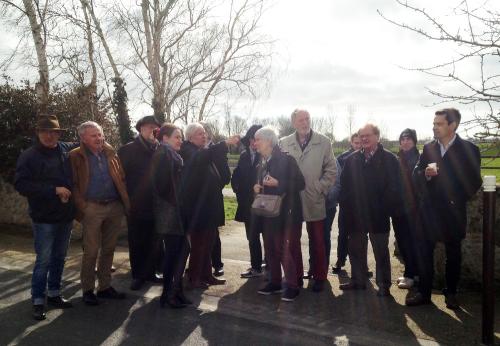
(233,314)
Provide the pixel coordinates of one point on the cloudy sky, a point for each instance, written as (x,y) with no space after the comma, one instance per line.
(335,54)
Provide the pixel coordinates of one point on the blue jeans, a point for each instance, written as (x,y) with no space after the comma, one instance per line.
(51,245)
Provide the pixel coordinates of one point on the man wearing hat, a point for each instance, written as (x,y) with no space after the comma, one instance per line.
(43,175)
(243,179)
(144,244)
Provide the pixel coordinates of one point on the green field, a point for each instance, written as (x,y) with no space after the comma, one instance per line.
(490,163)
(230,206)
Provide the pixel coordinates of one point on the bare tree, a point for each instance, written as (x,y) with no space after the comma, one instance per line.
(37,16)
(476,40)
(350,120)
(191,59)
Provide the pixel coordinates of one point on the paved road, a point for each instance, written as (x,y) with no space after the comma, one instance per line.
(225,315)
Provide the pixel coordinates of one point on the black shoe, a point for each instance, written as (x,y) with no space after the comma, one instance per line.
(251,273)
(318,286)
(336,270)
(383,292)
(173,302)
(39,312)
(369,274)
(270,289)
(218,272)
(183,299)
(417,299)
(290,294)
(351,286)
(156,278)
(451,302)
(110,293)
(89,298)
(136,284)
(59,302)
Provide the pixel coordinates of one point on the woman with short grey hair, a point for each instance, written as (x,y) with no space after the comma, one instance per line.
(279,174)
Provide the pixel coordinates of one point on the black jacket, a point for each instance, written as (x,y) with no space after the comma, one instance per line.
(166,179)
(243,179)
(284,168)
(370,192)
(343,157)
(407,162)
(203,178)
(443,198)
(39,171)
(135,158)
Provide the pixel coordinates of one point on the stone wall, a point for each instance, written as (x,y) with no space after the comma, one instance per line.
(472,246)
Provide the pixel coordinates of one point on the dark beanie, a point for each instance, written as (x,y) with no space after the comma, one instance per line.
(409,133)
(250,134)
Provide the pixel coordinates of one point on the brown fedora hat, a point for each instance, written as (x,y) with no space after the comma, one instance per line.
(48,122)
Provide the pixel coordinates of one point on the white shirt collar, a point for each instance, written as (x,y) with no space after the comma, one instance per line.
(444,148)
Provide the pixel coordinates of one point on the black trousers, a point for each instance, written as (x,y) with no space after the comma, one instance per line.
(254,245)
(327,228)
(342,240)
(217,252)
(145,248)
(176,254)
(425,260)
(404,232)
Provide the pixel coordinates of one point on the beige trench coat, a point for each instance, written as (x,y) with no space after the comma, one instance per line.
(317,164)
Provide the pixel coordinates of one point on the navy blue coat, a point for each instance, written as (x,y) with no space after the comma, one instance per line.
(443,198)
(39,171)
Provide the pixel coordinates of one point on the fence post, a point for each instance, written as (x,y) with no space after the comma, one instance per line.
(489,201)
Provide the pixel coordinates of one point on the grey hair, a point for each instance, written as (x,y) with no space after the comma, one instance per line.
(267,133)
(297,111)
(86,125)
(191,129)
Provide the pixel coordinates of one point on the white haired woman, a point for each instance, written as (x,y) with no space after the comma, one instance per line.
(279,174)
(201,199)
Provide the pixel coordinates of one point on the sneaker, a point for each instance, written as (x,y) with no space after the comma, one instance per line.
(290,294)
(251,273)
(110,293)
(406,283)
(270,289)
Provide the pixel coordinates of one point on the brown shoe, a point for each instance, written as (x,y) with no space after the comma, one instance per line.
(417,299)
(351,286)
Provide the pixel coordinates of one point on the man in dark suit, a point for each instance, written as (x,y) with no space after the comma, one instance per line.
(369,196)
(447,176)
(243,179)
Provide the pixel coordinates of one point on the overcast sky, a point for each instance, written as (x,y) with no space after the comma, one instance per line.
(335,53)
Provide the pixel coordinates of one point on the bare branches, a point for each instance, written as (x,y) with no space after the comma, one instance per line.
(477,43)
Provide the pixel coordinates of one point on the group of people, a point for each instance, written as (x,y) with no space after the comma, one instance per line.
(168,183)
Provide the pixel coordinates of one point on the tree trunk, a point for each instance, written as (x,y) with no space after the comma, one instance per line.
(42,86)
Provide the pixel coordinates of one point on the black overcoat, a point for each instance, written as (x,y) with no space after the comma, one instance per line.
(370,192)
(443,198)
(243,179)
